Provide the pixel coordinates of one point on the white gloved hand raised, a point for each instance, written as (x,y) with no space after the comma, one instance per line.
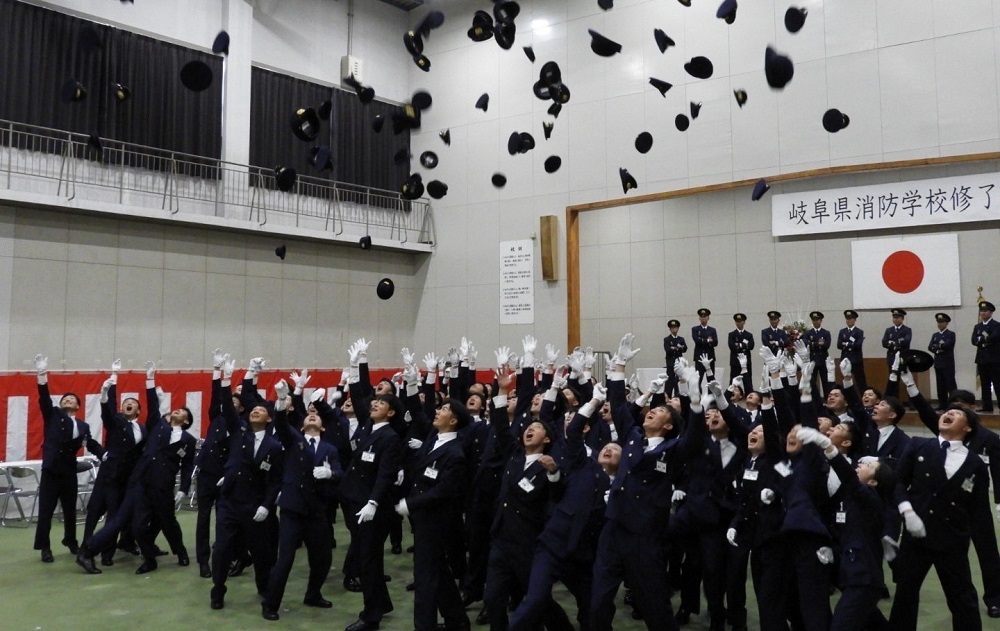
(116,366)
(150,371)
(503,355)
(261,514)
(845,368)
(41,364)
(319,394)
(281,389)
(216,358)
(528,345)
(625,350)
(431,363)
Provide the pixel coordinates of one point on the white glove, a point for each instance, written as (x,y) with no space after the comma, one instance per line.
(801,350)
(742,359)
(705,362)
(367,512)
(529,344)
(503,355)
(473,355)
(625,350)
(217,358)
(353,355)
(632,382)
(825,555)
(575,361)
(116,366)
(738,383)
(179,497)
(150,371)
(281,389)
(228,365)
(362,348)
(845,368)
(317,395)
(551,354)
(454,358)
(831,369)
(889,548)
(41,364)
(411,375)
(559,379)
(914,525)
(589,358)
(415,443)
(408,357)
(261,514)
(431,362)
(678,496)
(812,436)
(731,537)
(299,379)
(771,362)
(679,365)
(601,395)
(323,472)
(463,349)
(105,387)
(766,496)
(895,362)
(791,371)
(256,365)
(335,396)
(805,382)
(400,475)
(707,398)
(401,508)
(656,386)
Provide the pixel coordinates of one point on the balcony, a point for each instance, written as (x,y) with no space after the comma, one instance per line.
(47,167)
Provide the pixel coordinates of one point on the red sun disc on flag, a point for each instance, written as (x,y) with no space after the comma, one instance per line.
(902,271)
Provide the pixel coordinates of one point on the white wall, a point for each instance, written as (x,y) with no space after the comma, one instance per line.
(917,78)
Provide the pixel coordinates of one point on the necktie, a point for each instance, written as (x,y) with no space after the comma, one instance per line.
(945,445)
(312,445)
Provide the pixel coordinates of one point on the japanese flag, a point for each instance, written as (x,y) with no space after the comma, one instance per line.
(917,271)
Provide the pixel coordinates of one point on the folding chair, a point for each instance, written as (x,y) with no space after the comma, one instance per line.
(17,480)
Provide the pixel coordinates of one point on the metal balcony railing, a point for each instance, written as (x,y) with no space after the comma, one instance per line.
(68,165)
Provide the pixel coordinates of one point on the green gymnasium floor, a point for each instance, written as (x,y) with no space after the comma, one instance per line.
(36,596)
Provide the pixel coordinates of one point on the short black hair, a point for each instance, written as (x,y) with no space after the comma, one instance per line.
(458,411)
(897,407)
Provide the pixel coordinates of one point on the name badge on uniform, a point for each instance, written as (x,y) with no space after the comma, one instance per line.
(526,485)
(750,474)
(841,517)
(661,467)
(967,485)
(354,444)
(368,456)
(181,452)
(431,472)
(851,339)
(985,457)
(783,469)
(265,466)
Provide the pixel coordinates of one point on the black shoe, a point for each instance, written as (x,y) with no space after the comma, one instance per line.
(159,552)
(204,570)
(182,559)
(361,625)
(236,567)
(636,615)
(386,578)
(107,561)
(993,611)
(268,614)
(47,556)
(219,597)
(147,566)
(397,549)
(72,545)
(352,584)
(317,601)
(410,550)
(484,616)
(411,586)
(86,561)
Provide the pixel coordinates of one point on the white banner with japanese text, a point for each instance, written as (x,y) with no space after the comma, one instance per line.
(895,205)
(517,282)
